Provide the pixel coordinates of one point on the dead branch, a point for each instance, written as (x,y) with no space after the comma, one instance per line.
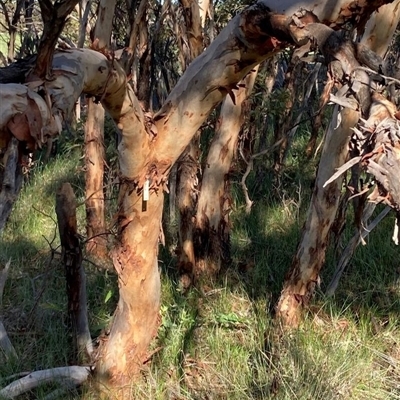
(74,375)
(358,237)
(250,163)
(342,170)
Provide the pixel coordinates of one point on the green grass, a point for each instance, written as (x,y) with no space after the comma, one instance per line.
(221,344)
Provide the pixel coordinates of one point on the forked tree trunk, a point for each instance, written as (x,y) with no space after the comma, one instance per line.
(212,217)
(303,275)
(12,30)
(94,148)
(146,153)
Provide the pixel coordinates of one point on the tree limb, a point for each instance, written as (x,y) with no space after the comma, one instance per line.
(75,375)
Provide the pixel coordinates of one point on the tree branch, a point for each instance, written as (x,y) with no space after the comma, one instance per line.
(75,375)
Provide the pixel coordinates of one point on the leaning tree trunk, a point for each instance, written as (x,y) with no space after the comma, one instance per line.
(148,149)
(94,147)
(303,275)
(304,272)
(212,217)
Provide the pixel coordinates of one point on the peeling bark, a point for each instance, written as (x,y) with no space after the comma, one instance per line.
(188,165)
(303,275)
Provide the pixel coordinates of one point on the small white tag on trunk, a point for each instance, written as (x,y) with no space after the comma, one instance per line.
(146,190)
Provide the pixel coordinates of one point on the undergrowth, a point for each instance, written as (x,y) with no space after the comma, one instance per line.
(221,342)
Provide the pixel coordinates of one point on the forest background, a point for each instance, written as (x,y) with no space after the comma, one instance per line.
(217,339)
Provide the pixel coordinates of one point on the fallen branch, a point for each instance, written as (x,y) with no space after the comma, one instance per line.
(74,375)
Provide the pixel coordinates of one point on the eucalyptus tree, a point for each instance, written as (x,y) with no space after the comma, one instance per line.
(151,143)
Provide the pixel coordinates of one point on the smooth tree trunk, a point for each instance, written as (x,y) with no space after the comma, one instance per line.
(148,148)
(94,148)
(212,229)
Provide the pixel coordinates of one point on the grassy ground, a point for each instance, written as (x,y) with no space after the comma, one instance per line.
(221,343)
